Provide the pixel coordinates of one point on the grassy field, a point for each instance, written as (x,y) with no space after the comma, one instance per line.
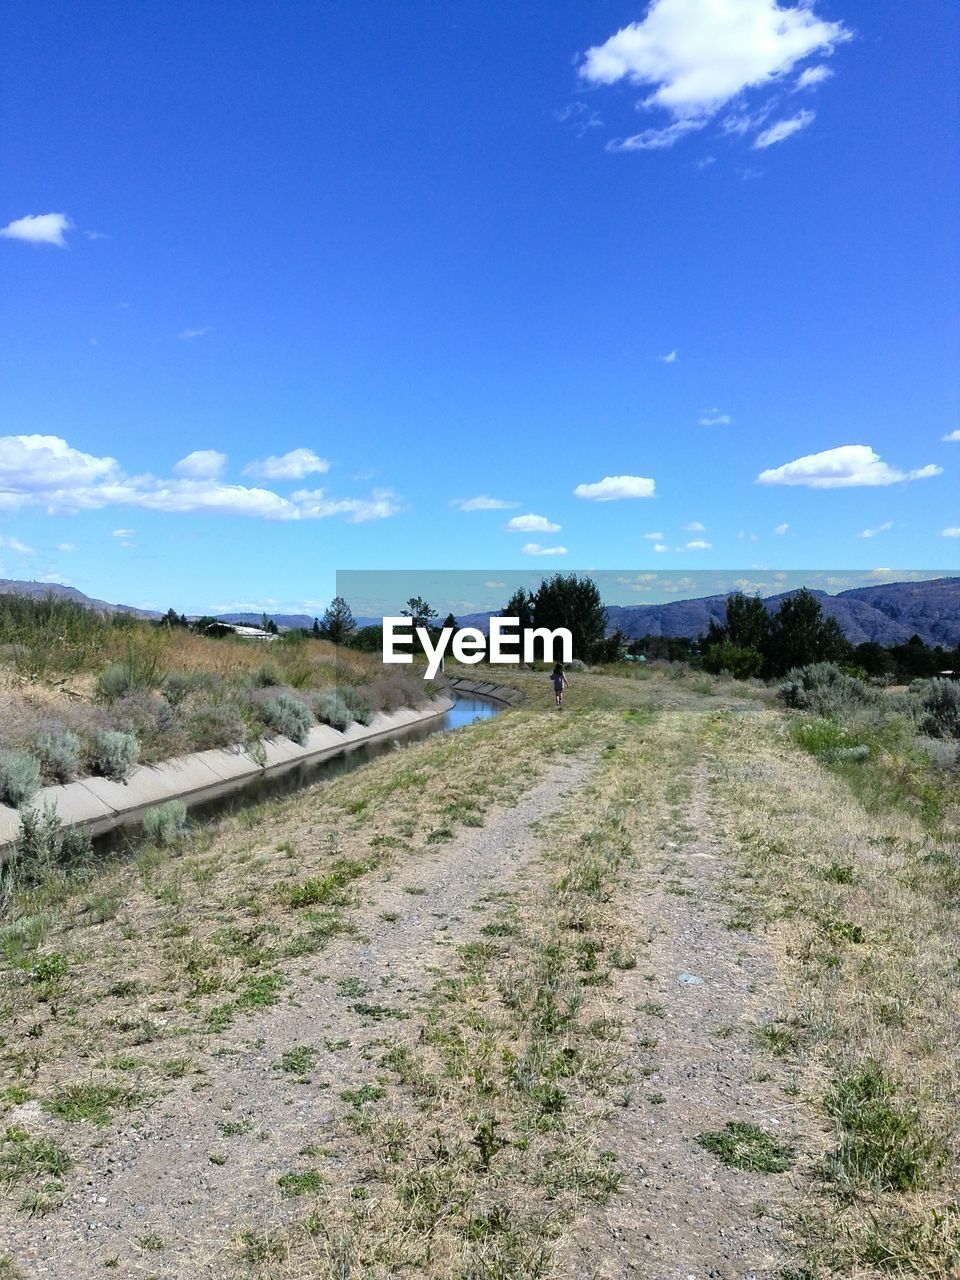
(640,987)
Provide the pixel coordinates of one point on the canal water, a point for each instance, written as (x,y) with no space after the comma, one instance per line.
(464,711)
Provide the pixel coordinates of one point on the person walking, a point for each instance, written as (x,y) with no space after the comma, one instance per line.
(559,682)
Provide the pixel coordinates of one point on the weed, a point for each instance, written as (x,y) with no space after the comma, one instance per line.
(166,825)
(91,1102)
(304,1182)
(745,1146)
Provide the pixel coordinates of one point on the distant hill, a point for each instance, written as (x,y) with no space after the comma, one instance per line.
(887,614)
(285,621)
(40,590)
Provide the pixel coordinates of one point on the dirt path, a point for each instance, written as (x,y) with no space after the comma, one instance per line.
(166,1192)
(690,1010)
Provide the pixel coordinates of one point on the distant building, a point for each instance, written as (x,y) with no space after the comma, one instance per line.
(241,630)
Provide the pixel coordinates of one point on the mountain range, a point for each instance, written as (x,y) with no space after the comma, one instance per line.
(888,613)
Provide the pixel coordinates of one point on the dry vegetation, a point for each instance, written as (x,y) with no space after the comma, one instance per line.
(472,1141)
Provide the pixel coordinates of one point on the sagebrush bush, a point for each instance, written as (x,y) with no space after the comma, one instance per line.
(289,716)
(267,676)
(166,824)
(113,753)
(215,724)
(330,708)
(115,681)
(357,703)
(43,845)
(59,753)
(19,776)
(939,704)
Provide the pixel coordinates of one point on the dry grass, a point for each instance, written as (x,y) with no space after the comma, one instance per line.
(863,906)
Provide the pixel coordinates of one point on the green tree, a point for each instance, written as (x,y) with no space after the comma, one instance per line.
(520,605)
(800,634)
(566,600)
(419,612)
(337,622)
(450,621)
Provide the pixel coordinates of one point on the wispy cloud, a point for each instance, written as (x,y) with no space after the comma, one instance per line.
(781,529)
(47,472)
(294,465)
(812,76)
(660,547)
(670,358)
(188,335)
(952,437)
(698,544)
(694,527)
(66,546)
(846,467)
(579,116)
(952,532)
(699,55)
(14,544)
(653,537)
(531,524)
(202,464)
(714,418)
(782,129)
(613,488)
(535,549)
(880,528)
(483,503)
(39,228)
(122,533)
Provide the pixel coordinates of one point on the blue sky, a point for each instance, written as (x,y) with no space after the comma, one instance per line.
(286,287)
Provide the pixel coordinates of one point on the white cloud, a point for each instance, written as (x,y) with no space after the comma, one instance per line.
(315,505)
(289,466)
(699,545)
(699,55)
(122,533)
(781,529)
(96,235)
(881,528)
(188,335)
(952,437)
(660,547)
(66,546)
(612,488)
(14,544)
(202,464)
(670,358)
(39,228)
(953,532)
(813,76)
(713,418)
(483,503)
(782,129)
(846,467)
(45,471)
(535,549)
(655,140)
(37,464)
(653,537)
(531,524)
(694,527)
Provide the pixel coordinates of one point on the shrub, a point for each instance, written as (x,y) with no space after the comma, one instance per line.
(288,716)
(939,702)
(43,845)
(178,686)
(215,725)
(113,753)
(330,708)
(19,776)
(115,681)
(741,663)
(268,675)
(357,703)
(166,824)
(59,754)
